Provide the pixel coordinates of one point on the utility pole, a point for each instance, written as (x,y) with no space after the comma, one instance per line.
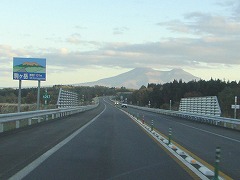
(235,109)
(170,106)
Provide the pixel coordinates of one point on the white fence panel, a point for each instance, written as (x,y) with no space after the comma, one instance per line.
(201,105)
(67,99)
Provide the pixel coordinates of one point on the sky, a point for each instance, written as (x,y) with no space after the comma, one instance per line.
(87,40)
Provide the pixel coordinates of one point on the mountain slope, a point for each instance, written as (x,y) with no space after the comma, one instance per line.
(142,76)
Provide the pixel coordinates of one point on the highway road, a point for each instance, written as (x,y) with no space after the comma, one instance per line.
(200,139)
(105,144)
(20,147)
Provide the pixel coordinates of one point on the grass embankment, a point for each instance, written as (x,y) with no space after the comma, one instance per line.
(12,108)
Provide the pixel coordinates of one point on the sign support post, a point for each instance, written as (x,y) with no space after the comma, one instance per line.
(38,96)
(19,96)
(46,97)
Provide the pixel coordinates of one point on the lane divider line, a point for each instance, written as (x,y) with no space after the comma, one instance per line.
(33,165)
(219,135)
(195,166)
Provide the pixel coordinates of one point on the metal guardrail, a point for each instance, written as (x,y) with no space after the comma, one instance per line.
(214,120)
(21,119)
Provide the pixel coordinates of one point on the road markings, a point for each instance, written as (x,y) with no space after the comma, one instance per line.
(29,168)
(196,157)
(219,135)
(194,173)
(156,135)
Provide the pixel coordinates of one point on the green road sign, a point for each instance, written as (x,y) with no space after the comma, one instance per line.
(46,96)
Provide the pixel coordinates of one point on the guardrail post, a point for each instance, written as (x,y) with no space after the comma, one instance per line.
(1,127)
(29,121)
(52,116)
(17,124)
(169,135)
(217,160)
(225,124)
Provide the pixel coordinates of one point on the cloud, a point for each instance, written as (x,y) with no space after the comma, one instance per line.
(236,14)
(120,30)
(208,39)
(171,52)
(175,26)
(204,24)
(74,39)
(7,53)
(77,41)
(212,25)
(232,6)
(80,27)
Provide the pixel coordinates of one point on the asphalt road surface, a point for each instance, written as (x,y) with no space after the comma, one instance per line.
(200,139)
(20,147)
(110,146)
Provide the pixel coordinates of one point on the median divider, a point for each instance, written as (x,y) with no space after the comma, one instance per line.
(195,166)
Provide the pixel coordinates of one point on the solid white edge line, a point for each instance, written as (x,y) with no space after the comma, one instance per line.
(26,170)
(219,135)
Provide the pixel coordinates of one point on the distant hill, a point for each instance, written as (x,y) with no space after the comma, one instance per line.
(29,67)
(137,77)
(30,64)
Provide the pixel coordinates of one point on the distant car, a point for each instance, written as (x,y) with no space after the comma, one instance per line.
(124,106)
